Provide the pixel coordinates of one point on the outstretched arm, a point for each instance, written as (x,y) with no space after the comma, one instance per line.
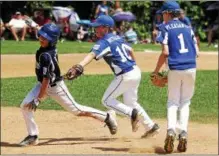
(87,59)
(78,69)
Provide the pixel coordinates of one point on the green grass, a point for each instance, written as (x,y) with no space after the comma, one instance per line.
(88,90)
(30,47)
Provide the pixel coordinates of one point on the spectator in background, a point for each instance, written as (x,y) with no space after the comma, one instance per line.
(183,18)
(2,29)
(82,32)
(120,28)
(131,35)
(40,18)
(158,20)
(102,9)
(17,25)
(213,31)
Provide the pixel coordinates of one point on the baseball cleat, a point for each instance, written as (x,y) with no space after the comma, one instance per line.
(182,146)
(111,123)
(169,141)
(152,132)
(29,140)
(135,120)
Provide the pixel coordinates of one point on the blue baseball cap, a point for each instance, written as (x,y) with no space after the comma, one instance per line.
(159,12)
(170,6)
(103,20)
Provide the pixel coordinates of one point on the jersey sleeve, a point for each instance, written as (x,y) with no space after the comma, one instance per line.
(45,62)
(162,36)
(187,21)
(193,37)
(101,49)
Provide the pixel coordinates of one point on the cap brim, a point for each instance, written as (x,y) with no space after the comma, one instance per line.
(42,33)
(95,24)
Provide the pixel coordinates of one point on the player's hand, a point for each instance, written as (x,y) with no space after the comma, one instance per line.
(32,106)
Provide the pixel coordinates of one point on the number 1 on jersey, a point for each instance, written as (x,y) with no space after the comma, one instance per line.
(182,44)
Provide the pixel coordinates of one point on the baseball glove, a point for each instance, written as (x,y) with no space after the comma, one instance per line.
(74,72)
(159,79)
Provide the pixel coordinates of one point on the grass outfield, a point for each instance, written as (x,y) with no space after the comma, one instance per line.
(88,90)
(30,47)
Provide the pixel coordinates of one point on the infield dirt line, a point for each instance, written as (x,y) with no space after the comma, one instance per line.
(23,65)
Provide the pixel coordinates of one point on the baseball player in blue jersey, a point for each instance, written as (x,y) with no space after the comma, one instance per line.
(50,83)
(184,18)
(180,48)
(119,56)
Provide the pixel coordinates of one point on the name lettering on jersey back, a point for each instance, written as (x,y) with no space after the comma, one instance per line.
(175,26)
(113,38)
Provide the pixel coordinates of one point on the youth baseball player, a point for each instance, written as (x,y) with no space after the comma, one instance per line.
(180,48)
(119,56)
(50,83)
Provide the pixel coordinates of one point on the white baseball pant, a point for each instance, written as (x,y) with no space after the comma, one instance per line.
(181,84)
(61,95)
(127,85)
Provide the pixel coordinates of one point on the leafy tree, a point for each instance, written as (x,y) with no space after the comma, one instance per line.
(145,13)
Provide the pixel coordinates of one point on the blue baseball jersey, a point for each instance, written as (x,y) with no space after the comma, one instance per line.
(116,52)
(47,65)
(186,21)
(181,43)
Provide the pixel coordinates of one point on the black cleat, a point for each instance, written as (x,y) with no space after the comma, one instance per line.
(182,146)
(135,120)
(169,141)
(152,132)
(111,123)
(29,140)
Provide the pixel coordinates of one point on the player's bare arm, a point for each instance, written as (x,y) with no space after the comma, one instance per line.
(88,59)
(197,50)
(162,58)
(43,88)
(132,54)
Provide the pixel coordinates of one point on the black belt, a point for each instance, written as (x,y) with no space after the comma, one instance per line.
(57,80)
(53,85)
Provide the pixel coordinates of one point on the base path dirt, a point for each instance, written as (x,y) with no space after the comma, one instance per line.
(63,133)
(23,65)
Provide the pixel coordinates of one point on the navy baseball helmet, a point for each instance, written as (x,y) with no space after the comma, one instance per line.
(103,20)
(170,6)
(51,32)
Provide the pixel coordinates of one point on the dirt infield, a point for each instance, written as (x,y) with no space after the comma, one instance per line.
(63,133)
(23,65)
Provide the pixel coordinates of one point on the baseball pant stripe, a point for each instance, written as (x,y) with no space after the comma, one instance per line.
(69,97)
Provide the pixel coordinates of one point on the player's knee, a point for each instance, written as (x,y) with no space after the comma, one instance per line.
(104,101)
(172,103)
(184,104)
(22,104)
